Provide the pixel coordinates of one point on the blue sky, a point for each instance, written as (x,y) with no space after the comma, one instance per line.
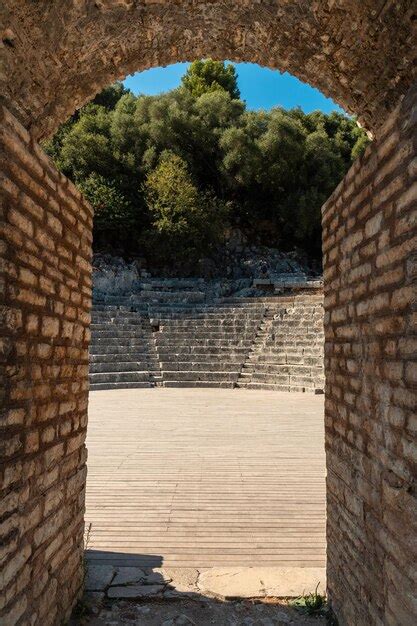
(261,87)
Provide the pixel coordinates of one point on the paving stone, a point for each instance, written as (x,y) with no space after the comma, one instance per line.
(128,575)
(157,577)
(93,601)
(256,582)
(99,577)
(180,620)
(181,579)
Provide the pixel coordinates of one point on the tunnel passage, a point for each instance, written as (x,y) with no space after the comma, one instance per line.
(56,56)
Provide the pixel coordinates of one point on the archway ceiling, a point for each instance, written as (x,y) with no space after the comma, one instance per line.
(56,55)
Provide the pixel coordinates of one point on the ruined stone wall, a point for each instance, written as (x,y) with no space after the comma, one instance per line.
(370,269)
(45,302)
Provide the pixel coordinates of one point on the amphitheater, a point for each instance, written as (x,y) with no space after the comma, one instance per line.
(220,431)
(54,57)
(253,343)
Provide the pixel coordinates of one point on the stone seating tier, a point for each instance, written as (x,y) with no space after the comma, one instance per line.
(256,343)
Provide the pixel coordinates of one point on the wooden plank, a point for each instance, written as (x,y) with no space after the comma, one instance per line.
(206,477)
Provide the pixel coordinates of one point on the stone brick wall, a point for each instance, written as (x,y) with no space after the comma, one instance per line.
(370,293)
(45,250)
(370,269)
(55,56)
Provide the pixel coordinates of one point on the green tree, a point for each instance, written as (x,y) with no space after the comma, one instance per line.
(110,96)
(208,75)
(114,216)
(273,170)
(186,222)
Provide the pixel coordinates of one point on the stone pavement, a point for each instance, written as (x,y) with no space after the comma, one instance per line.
(185,596)
(223,583)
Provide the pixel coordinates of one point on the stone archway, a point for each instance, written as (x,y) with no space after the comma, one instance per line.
(58,55)
(54,57)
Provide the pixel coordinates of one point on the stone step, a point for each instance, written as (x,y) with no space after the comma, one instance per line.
(287,368)
(168,352)
(111,307)
(275,315)
(117,331)
(120,377)
(125,312)
(168,297)
(295,342)
(200,376)
(282,330)
(209,328)
(211,384)
(286,359)
(117,341)
(133,320)
(295,351)
(275,387)
(221,320)
(200,335)
(213,365)
(220,326)
(208,315)
(278,299)
(108,312)
(309,381)
(124,325)
(189,359)
(226,343)
(120,324)
(131,385)
(104,353)
(119,366)
(168,329)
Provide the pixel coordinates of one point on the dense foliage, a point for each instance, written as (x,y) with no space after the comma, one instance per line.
(186,222)
(167,173)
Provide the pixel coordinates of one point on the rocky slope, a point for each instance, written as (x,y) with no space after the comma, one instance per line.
(234,275)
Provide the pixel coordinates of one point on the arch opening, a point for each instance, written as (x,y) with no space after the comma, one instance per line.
(368,245)
(181,334)
(313,41)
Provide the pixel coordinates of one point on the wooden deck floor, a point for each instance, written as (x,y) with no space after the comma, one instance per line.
(206,478)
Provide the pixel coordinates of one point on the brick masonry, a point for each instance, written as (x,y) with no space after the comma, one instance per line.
(45,315)
(370,270)
(55,56)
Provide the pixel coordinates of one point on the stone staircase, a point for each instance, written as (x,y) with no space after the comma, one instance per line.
(288,352)
(122,354)
(254,343)
(207,346)
(245,376)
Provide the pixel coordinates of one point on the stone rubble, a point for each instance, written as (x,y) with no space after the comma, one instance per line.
(115,277)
